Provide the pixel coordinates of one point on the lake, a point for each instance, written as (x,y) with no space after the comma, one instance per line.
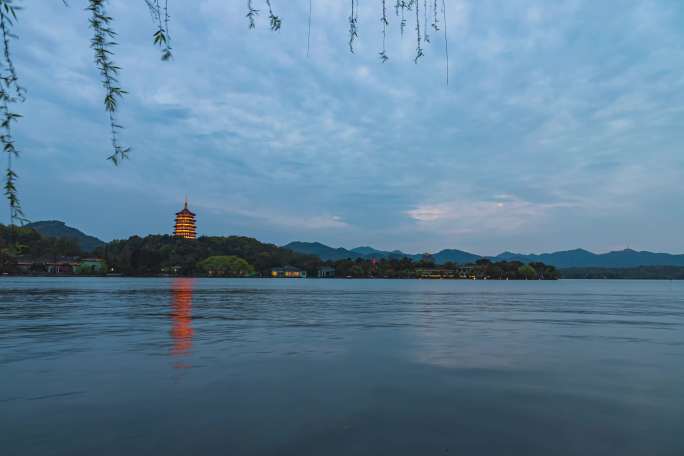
(112,366)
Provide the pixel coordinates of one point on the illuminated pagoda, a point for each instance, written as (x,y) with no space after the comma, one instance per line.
(186,227)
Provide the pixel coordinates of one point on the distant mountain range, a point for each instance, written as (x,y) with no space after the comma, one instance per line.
(627,258)
(57,229)
(577,258)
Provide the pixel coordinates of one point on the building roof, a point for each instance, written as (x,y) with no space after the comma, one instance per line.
(185,210)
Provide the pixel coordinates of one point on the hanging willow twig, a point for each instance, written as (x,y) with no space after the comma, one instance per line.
(102,43)
(353,22)
(308,33)
(385,24)
(435,16)
(419,49)
(275,20)
(251,14)
(426,35)
(446,41)
(10,93)
(161,37)
(402,24)
(166,17)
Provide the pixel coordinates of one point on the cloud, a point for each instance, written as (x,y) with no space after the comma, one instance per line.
(556,108)
(501,214)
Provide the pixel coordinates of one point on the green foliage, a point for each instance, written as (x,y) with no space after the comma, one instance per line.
(240,256)
(91,267)
(160,16)
(545,271)
(27,242)
(16,213)
(57,229)
(226,265)
(10,93)
(405,268)
(528,272)
(8,261)
(426,261)
(275,20)
(102,43)
(157,253)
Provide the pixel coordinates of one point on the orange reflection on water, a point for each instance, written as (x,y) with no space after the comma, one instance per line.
(181,305)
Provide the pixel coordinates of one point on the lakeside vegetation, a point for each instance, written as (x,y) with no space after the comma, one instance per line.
(24,250)
(20,243)
(237,256)
(243,256)
(226,265)
(426,268)
(157,254)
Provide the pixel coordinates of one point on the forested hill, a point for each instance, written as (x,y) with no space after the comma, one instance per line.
(161,253)
(157,254)
(58,229)
(28,243)
(580,258)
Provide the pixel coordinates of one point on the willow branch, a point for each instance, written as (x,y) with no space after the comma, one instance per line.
(385,24)
(161,37)
(353,22)
(252,13)
(419,49)
(275,20)
(102,43)
(10,93)
(446,41)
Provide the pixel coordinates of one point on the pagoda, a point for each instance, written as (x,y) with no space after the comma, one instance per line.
(186,227)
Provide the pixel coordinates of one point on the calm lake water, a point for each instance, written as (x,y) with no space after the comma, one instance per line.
(340,367)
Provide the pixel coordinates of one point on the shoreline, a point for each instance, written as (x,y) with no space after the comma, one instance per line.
(166,276)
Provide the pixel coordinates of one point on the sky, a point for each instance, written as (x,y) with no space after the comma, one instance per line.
(561,125)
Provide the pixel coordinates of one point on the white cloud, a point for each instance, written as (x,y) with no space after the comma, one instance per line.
(572,105)
(498,215)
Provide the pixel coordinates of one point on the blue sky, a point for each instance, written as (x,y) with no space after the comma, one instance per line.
(561,126)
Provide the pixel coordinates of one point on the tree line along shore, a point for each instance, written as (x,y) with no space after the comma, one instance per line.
(25,251)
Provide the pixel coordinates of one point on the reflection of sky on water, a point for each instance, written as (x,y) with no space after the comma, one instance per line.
(328,367)
(524,329)
(448,332)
